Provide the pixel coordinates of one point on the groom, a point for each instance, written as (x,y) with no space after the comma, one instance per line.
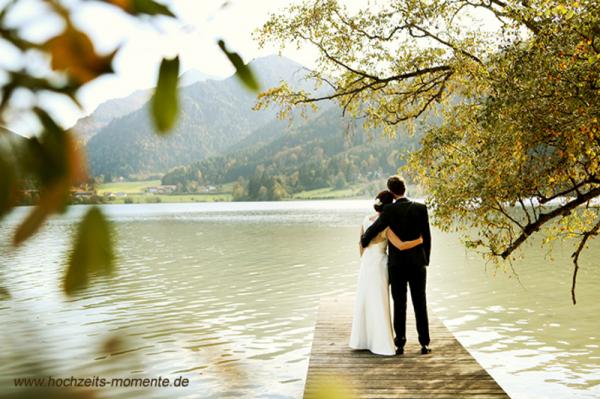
(408,220)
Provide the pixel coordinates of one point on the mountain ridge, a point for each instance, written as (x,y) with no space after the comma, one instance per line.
(214,116)
(109,110)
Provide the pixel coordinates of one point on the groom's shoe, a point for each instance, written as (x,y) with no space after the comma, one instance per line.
(399,351)
(425,350)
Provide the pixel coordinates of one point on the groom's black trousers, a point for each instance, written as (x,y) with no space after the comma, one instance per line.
(415,277)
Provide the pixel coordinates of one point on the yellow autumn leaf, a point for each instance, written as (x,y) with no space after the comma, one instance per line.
(73,52)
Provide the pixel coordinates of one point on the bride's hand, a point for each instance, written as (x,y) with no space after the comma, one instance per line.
(391,236)
(402,245)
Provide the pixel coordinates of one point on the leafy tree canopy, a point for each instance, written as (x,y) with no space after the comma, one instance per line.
(517,83)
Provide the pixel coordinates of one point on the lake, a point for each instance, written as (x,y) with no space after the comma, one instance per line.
(225,294)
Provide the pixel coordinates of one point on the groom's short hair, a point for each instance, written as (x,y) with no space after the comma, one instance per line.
(396,185)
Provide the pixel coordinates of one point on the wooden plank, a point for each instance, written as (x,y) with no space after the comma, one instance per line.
(448,372)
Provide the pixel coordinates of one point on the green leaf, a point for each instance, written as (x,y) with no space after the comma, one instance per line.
(151,7)
(56,155)
(243,71)
(137,7)
(7,186)
(8,177)
(164,102)
(49,160)
(561,9)
(4,294)
(53,199)
(92,252)
(56,161)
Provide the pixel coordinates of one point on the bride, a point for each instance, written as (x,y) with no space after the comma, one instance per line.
(372,324)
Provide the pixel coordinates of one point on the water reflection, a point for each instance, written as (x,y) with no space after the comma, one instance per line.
(225,294)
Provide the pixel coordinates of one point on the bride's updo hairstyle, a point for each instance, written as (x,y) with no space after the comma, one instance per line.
(383,198)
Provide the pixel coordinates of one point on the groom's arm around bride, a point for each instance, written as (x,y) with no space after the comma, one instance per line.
(408,220)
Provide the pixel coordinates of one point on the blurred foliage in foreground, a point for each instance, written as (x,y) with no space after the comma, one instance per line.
(52,162)
(518,149)
(330,387)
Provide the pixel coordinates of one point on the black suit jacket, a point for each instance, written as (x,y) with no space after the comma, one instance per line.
(408,220)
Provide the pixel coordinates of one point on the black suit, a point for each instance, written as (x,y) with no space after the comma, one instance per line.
(408,220)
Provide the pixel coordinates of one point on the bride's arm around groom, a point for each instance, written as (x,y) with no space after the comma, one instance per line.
(407,219)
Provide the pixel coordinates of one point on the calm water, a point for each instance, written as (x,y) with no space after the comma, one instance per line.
(225,295)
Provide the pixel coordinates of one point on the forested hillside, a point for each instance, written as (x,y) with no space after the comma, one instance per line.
(326,151)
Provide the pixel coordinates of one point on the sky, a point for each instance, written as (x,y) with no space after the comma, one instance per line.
(200,24)
(193,36)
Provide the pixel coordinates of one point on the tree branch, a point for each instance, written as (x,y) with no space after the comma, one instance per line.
(543,200)
(366,34)
(586,236)
(546,217)
(448,44)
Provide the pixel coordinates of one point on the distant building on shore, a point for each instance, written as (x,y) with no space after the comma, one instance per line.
(165,189)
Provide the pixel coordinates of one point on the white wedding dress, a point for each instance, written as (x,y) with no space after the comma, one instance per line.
(372,322)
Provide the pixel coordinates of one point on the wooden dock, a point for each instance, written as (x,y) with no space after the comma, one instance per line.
(448,372)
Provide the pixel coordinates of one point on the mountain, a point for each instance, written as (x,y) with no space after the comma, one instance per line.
(194,76)
(87,127)
(214,115)
(276,161)
(110,110)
